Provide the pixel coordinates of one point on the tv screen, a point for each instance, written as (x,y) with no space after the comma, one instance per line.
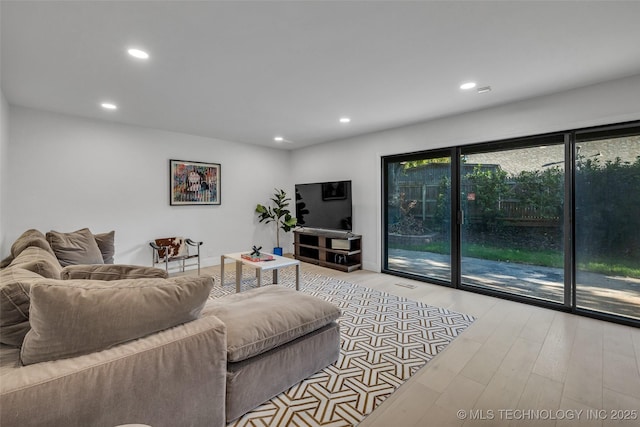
(325,205)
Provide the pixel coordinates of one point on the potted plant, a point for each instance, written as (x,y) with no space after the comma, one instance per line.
(279,213)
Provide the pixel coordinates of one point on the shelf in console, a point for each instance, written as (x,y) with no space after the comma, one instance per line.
(334,249)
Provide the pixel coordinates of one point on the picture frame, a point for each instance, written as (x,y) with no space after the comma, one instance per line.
(194,183)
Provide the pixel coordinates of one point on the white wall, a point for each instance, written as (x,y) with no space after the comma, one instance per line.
(63,173)
(359,158)
(67,173)
(4,166)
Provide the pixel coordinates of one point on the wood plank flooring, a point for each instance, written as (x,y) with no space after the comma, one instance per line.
(517,365)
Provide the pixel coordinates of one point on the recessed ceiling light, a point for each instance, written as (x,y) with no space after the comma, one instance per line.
(345,119)
(278,139)
(109,106)
(468,85)
(137,53)
(484,89)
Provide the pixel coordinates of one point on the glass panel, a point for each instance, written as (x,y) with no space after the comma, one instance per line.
(512,235)
(607,201)
(419,217)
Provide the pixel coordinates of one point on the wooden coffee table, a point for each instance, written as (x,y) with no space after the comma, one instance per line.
(277,263)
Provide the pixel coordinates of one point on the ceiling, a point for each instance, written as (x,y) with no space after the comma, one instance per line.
(247,71)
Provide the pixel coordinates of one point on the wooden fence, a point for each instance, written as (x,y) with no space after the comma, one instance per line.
(511,211)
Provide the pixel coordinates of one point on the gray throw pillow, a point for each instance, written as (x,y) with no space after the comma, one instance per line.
(78,247)
(106,244)
(74,317)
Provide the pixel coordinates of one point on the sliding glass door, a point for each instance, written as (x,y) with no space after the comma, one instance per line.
(551,219)
(418,216)
(512,203)
(607,200)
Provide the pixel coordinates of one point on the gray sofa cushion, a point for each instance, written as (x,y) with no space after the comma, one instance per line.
(78,247)
(264,318)
(14,304)
(111,272)
(73,317)
(278,369)
(163,380)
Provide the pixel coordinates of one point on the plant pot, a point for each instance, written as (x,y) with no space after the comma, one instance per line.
(277,251)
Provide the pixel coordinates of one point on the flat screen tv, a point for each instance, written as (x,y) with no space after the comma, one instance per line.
(324,205)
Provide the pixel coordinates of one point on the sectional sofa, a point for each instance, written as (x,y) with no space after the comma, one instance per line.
(103,344)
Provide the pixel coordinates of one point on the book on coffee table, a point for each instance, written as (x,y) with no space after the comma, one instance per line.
(262,257)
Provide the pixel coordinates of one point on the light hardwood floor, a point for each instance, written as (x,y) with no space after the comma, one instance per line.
(516,365)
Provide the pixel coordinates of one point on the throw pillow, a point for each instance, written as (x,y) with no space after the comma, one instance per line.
(39,261)
(106,244)
(74,317)
(78,247)
(14,304)
(29,238)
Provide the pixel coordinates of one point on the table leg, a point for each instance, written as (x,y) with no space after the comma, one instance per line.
(297,277)
(275,276)
(222,270)
(259,276)
(238,275)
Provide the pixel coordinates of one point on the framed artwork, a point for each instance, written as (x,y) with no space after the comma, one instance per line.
(194,183)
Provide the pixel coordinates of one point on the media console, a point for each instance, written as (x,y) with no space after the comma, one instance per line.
(339,250)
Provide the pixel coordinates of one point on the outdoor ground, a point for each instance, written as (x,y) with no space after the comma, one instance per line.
(612,294)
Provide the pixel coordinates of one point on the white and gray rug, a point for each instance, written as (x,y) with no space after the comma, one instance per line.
(384,340)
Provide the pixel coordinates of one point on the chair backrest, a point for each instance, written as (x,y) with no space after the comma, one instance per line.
(177,247)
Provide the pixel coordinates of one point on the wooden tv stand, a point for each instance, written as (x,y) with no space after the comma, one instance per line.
(339,250)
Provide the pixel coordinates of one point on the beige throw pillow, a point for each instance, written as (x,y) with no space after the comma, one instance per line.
(30,238)
(78,247)
(74,317)
(39,261)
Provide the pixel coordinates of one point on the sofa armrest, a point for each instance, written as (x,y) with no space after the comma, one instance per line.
(161,380)
(111,272)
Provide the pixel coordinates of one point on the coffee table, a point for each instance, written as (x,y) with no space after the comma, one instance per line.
(277,263)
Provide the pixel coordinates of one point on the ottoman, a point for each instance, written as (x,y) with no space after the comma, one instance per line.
(276,337)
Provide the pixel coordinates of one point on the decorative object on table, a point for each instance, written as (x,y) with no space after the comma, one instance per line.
(278,213)
(257,258)
(194,183)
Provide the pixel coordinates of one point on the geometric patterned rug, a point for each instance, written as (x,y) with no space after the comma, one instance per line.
(384,340)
